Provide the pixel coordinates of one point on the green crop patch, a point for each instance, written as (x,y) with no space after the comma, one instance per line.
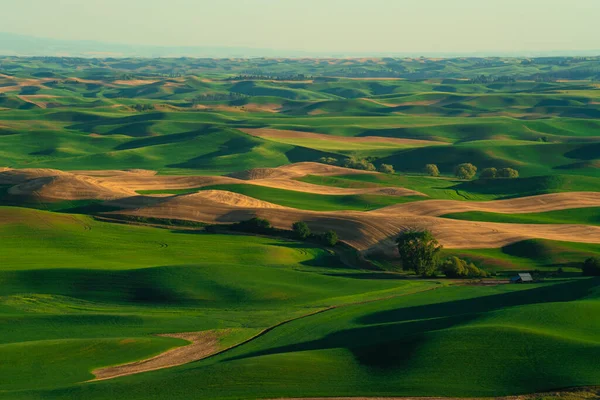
(586,216)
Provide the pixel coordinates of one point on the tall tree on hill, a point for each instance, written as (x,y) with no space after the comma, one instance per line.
(419,252)
(301,230)
(330,238)
(432,170)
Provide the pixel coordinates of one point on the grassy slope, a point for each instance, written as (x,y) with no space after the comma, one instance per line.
(513,338)
(72,286)
(533,254)
(91,303)
(75,137)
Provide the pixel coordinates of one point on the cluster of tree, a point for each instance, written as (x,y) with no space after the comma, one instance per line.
(568,74)
(386,169)
(229,96)
(365,164)
(270,77)
(465,171)
(557,61)
(143,107)
(328,160)
(457,268)
(300,231)
(591,267)
(358,163)
(254,225)
(468,171)
(420,252)
(360,72)
(501,173)
(483,79)
(126,77)
(303,232)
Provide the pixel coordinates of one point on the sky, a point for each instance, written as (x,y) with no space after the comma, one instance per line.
(357,26)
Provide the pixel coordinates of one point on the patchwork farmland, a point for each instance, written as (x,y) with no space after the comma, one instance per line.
(229,228)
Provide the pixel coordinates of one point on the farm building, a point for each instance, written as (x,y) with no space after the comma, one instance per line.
(522,278)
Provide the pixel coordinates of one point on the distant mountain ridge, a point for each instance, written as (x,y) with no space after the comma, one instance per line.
(22,45)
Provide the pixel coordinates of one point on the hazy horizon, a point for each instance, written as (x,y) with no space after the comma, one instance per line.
(319,26)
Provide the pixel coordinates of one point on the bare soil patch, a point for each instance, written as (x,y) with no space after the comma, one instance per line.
(202,345)
(297,170)
(369,231)
(134,82)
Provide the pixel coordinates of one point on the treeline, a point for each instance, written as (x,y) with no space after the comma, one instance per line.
(572,74)
(143,107)
(363,164)
(299,231)
(229,96)
(365,73)
(468,171)
(270,77)
(487,79)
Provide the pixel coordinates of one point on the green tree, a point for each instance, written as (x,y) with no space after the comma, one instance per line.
(474,272)
(301,230)
(432,170)
(458,268)
(386,169)
(328,160)
(254,225)
(489,173)
(591,267)
(508,173)
(330,238)
(358,163)
(454,267)
(465,171)
(419,252)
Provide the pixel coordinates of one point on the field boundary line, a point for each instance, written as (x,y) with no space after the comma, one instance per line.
(273,327)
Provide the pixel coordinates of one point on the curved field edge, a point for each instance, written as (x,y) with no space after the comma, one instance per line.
(200,345)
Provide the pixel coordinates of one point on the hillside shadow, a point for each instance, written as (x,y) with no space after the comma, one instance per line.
(369,276)
(390,343)
(234,145)
(562,292)
(381,346)
(164,139)
(90,122)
